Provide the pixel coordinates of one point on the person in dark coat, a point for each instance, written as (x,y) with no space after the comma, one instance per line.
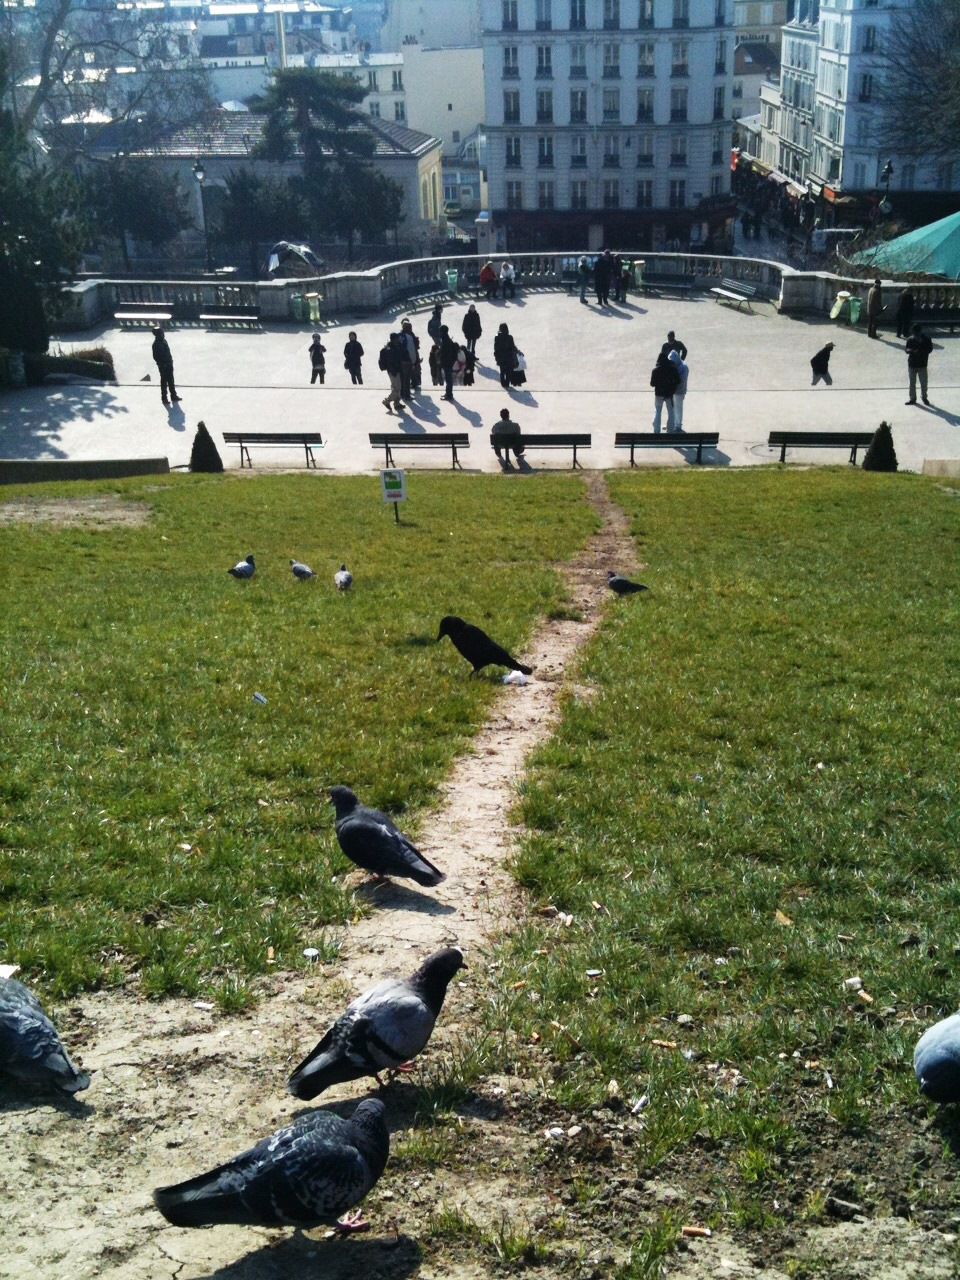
(874,308)
(664,379)
(617,277)
(918,348)
(820,364)
(905,304)
(506,436)
(472,328)
(505,354)
(163,359)
(673,343)
(391,362)
(448,358)
(433,359)
(434,323)
(410,358)
(318,363)
(352,358)
(601,279)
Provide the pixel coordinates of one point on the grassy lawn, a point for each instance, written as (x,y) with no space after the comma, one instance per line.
(154,819)
(751,798)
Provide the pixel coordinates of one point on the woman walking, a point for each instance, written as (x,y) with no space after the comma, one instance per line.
(352,357)
(318,364)
(505,354)
(472,328)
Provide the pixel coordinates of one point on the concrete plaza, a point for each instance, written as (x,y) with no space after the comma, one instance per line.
(588,370)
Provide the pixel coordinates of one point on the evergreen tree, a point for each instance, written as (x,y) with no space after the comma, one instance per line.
(139,198)
(204,455)
(255,209)
(881,455)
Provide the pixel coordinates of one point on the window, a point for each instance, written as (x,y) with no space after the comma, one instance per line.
(515,195)
(737,91)
(545,151)
(645,193)
(611,15)
(509,22)
(720,14)
(645,58)
(644,150)
(512,152)
(719,108)
(578,151)
(645,19)
(578,15)
(869,39)
(372,81)
(678,148)
(720,58)
(611,193)
(544,62)
(945,176)
(678,103)
(544,106)
(578,194)
(375,109)
(511,106)
(717,154)
(859,175)
(644,105)
(866,87)
(678,193)
(511,64)
(399,111)
(908,177)
(578,62)
(544,20)
(681,13)
(398,81)
(611,104)
(611,62)
(715,185)
(679,66)
(545,195)
(578,106)
(611,151)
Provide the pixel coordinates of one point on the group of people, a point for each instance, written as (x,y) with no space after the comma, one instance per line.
(492,282)
(610,273)
(669,382)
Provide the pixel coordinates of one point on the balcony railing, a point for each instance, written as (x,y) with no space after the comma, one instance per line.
(578,162)
(544,117)
(611,72)
(645,69)
(544,24)
(611,114)
(680,24)
(578,117)
(678,115)
(611,162)
(645,160)
(511,73)
(544,73)
(578,71)
(644,115)
(545,162)
(679,70)
(678,159)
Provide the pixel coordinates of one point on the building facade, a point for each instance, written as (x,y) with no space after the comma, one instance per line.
(761,20)
(437,23)
(608,121)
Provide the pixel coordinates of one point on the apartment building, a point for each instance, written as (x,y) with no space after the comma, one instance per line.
(608,121)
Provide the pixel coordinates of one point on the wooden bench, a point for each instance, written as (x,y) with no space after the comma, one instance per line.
(666,440)
(937,317)
(307,440)
(230,317)
(130,315)
(557,441)
(852,440)
(673,280)
(734,291)
(390,440)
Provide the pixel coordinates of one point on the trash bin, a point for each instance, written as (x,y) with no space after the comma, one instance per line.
(312,301)
(298,306)
(453,280)
(853,310)
(636,272)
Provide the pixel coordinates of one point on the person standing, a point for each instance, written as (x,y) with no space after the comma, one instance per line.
(352,358)
(163,359)
(508,280)
(918,348)
(448,359)
(664,379)
(616,272)
(601,279)
(505,354)
(411,350)
(434,323)
(820,364)
(390,363)
(318,363)
(673,343)
(905,304)
(583,275)
(505,436)
(433,359)
(874,308)
(678,396)
(472,328)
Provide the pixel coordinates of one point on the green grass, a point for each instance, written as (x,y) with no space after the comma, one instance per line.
(774,729)
(154,820)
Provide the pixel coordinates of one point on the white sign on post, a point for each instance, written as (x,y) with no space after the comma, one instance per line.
(393,485)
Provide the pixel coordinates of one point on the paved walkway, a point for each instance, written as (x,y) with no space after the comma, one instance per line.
(588,370)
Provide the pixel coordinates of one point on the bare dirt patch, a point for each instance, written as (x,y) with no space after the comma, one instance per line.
(91,513)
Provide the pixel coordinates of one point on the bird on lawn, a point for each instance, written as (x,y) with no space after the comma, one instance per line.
(343,578)
(302,572)
(477,647)
(381,1030)
(936,1060)
(30,1048)
(370,840)
(305,1175)
(243,569)
(623,586)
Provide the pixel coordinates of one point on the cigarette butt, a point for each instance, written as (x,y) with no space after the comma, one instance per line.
(697,1233)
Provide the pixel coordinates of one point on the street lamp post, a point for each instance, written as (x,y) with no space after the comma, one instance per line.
(885,176)
(200,174)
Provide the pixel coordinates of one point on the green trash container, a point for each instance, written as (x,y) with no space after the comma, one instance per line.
(298,306)
(312,301)
(636,272)
(453,280)
(853,310)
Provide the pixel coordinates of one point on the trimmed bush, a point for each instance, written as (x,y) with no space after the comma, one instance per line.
(204,455)
(881,455)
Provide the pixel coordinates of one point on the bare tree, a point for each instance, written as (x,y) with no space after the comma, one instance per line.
(920,93)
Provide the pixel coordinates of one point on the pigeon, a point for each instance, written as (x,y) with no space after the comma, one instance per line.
(623,586)
(370,839)
(302,572)
(936,1061)
(343,578)
(29,1045)
(381,1030)
(477,647)
(244,569)
(305,1175)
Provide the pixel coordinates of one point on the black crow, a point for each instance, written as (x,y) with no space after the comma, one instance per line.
(477,647)
(623,586)
(370,839)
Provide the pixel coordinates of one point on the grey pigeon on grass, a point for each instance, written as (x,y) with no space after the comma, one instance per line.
(623,586)
(936,1060)
(302,572)
(343,578)
(477,647)
(305,1175)
(30,1048)
(243,569)
(381,1030)
(371,841)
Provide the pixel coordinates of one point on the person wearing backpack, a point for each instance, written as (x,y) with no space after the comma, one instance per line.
(390,363)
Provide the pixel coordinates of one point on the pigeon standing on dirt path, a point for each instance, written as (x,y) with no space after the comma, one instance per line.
(244,568)
(381,1030)
(302,572)
(623,586)
(30,1048)
(936,1060)
(343,578)
(305,1175)
(370,840)
(477,647)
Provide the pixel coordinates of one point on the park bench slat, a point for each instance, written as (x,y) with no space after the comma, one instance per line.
(852,440)
(390,440)
(555,440)
(307,440)
(734,291)
(666,440)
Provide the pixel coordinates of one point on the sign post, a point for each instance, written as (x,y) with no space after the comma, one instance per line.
(393,485)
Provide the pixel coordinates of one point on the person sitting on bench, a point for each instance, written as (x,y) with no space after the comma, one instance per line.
(506,436)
